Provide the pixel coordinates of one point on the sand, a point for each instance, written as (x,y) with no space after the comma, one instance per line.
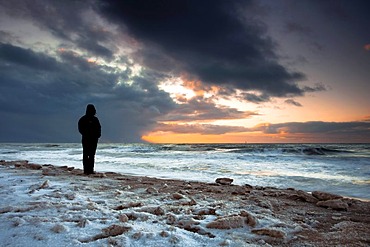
(49,205)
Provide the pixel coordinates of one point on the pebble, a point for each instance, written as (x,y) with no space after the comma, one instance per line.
(224,181)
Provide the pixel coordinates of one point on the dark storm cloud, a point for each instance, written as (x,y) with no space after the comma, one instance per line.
(293,27)
(65,20)
(27,58)
(44,105)
(209,40)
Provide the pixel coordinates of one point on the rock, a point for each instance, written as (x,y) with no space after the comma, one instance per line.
(18,221)
(264,204)
(137,216)
(170,218)
(82,223)
(151,190)
(58,228)
(238,190)
(99,175)
(70,196)
(123,218)
(233,221)
(192,202)
(20,163)
(174,240)
(6,209)
(224,181)
(111,231)
(336,204)
(324,196)
(205,211)
(177,196)
(269,232)
(153,210)
(248,186)
(187,222)
(251,221)
(49,172)
(34,166)
(228,222)
(199,230)
(137,235)
(128,205)
(226,242)
(115,230)
(164,234)
(35,187)
(306,196)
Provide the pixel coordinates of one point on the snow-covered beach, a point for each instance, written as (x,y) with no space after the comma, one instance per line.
(47,205)
(337,168)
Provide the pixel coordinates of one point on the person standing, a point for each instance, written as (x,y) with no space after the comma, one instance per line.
(90,129)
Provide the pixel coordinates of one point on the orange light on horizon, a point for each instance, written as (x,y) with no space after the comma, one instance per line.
(367,47)
(169,137)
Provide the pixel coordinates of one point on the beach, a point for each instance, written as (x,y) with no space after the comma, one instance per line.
(336,168)
(51,205)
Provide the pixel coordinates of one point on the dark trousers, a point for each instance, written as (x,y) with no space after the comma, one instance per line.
(88,157)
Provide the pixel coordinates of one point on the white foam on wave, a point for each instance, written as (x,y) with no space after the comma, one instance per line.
(344,169)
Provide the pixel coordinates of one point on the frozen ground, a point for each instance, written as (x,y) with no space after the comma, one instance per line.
(57,206)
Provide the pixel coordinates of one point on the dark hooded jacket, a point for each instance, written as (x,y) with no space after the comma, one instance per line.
(89,125)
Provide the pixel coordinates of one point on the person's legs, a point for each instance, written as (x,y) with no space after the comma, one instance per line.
(89,150)
(85,156)
(93,146)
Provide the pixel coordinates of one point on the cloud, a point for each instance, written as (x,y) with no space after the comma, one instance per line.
(316,127)
(204,129)
(44,102)
(293,102)
(315,131)
(211,41)
(115,54)
(201,109)
(74,22)
(26,57)
(318,87)
(293,27)
(256,98)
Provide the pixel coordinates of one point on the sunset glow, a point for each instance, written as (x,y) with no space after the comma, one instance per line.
(241,76)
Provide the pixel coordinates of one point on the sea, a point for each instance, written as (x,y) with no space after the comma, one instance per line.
(336,168)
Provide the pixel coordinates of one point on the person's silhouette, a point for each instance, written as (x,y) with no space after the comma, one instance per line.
(90,129)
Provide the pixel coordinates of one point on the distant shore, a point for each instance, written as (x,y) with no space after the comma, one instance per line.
(116,209)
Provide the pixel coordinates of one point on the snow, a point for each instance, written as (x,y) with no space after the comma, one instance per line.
(38,210)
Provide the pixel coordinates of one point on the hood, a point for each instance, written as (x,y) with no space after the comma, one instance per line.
(90,110)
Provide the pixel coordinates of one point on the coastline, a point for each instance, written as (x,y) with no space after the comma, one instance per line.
(71,209)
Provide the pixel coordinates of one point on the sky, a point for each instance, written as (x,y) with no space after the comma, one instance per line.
(186,71)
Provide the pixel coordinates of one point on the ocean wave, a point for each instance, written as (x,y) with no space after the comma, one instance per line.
(315,151)
(256,148)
